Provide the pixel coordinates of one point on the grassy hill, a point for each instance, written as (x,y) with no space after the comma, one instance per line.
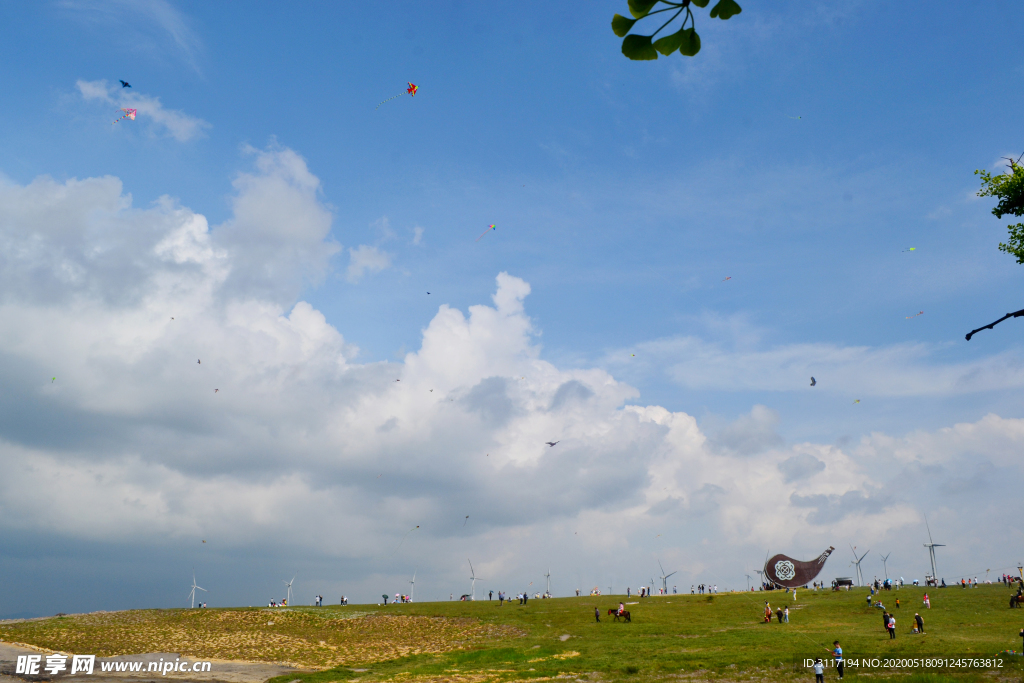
(679,636)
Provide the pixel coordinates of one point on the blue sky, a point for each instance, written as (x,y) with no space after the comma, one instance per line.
(623,194)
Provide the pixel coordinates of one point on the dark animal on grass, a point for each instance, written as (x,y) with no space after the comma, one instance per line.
(1015,601)
(624,615)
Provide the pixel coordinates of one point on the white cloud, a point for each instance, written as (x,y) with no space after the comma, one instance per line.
(335,461)
(417,235)
(366,259)
(177,124)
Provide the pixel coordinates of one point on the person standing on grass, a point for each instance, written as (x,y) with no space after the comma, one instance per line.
(927,602)
(837,655)
(819,671)
(597,615)
(897,603)
(785,615)
(920,622)
(892,627)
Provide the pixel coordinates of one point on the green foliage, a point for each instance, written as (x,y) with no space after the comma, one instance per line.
(1016,242)
(1009,189)
(640,8)
(690,43)
(639,47)
(725,9)
(684,40)
(621,25)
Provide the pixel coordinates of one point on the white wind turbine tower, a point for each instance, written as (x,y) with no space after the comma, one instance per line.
(472,577)
(412,586)
(192,595)
(664,578)
(547,576)
(932,545)
(884,566)
(856,563)
(289,584)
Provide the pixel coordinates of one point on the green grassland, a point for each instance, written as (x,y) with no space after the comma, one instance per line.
(681,637)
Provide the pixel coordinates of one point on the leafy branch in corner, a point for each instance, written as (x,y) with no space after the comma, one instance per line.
(685,39)
(1009,189)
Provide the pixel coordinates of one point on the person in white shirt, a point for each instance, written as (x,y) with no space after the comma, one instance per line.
(819,671)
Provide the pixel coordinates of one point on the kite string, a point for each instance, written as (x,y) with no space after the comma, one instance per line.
(404,537)
(388,100)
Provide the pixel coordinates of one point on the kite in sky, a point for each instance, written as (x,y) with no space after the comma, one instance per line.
(53,380)
(126,84)
(857,401)
(915,315)
(489,228)
(467,521)
(216,390)
(552,443)
(796,117)
(728,278)
(910,249)
(128,114)
(411,90)
(813,381)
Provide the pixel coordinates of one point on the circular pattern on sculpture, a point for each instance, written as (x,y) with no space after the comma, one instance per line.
(785,570)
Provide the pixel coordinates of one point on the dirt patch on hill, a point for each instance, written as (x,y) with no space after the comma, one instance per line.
(303,639)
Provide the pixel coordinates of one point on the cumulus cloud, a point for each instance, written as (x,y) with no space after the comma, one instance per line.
(750,434)
(176,124)
(306,453)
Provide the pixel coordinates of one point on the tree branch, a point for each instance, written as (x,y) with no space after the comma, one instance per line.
(1017,314)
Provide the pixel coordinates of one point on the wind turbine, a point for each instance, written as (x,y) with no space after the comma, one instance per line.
(664,578)
(548,577)
(932,545)
(412,586)
(192,595)
(884,558)
(472,577)
(856,563)
(289,584)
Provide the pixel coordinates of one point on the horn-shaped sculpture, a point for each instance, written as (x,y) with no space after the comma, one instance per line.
(789,573)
